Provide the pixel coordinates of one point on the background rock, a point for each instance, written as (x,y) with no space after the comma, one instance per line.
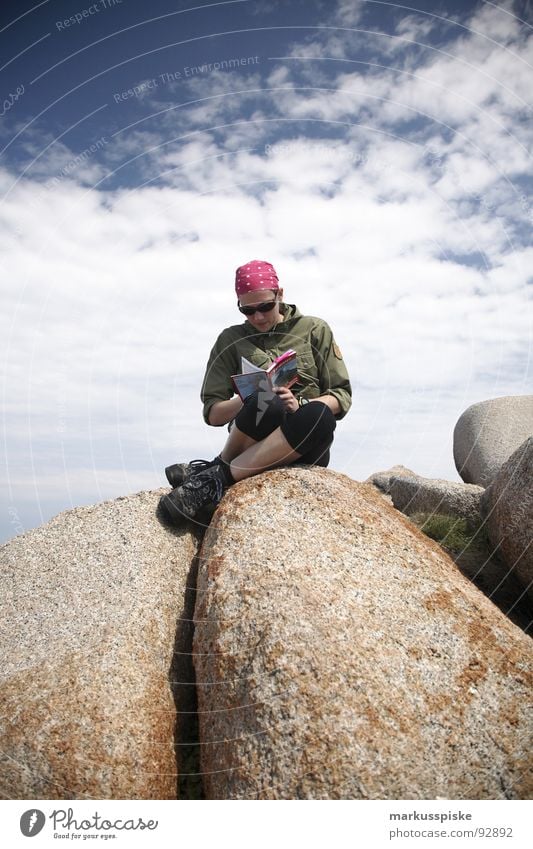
(90,612)
(411,493)
(488,433)
(382,480)
(508,507)
(340,654)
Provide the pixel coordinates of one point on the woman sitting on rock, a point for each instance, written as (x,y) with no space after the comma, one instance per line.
(293,425)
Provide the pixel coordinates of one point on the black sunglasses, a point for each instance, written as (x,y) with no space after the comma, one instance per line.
(266,306)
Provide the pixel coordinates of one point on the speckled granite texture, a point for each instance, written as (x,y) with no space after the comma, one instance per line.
(488,433)
(91,604)
(508,506)
(340,654)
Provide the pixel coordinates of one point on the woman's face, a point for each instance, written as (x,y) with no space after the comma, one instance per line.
(263,321)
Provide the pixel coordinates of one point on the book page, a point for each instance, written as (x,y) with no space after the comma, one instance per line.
(284,371)
(246,384)
(247,367)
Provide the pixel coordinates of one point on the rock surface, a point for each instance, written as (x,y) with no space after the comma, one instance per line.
(508,508)
(411,493)
(383,480)
(90,611)
(488,433)
(340,654)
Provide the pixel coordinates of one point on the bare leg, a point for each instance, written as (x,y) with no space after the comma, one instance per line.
(236,443)
(272,451)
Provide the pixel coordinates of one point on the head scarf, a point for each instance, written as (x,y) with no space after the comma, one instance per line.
(255,275)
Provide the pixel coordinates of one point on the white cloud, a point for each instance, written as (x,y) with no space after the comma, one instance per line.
(348,12)
(406,235)
(496,22)
(414,28)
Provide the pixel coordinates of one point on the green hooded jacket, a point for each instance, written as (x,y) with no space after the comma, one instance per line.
(321,368)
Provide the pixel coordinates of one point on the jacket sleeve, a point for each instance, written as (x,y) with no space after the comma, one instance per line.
(333,375)
(217,384)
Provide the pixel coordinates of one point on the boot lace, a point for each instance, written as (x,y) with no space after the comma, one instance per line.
(197,466)
(204,488)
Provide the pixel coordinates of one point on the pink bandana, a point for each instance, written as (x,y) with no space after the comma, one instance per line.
(255,275)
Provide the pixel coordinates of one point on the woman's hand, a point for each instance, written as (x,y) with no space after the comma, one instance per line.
(289,402)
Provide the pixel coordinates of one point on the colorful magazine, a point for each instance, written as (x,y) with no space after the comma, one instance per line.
(282,372)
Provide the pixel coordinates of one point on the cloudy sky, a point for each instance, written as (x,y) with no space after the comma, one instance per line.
(377,154)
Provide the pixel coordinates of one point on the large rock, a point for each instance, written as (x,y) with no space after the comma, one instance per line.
(488,433)
(340,654)
(91,604)
(383,480)
(508,508)
(411,494)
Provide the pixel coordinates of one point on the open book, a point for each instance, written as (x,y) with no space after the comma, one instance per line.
(282,372)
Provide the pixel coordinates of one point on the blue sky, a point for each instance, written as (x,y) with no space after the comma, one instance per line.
(379,155)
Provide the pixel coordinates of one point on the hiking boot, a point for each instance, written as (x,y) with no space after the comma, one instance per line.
(179,472)
(198,491)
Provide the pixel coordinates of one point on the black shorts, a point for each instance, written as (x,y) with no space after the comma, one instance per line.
(309,430)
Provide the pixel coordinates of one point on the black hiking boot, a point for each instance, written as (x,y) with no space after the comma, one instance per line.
(179,472)
(198,491)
